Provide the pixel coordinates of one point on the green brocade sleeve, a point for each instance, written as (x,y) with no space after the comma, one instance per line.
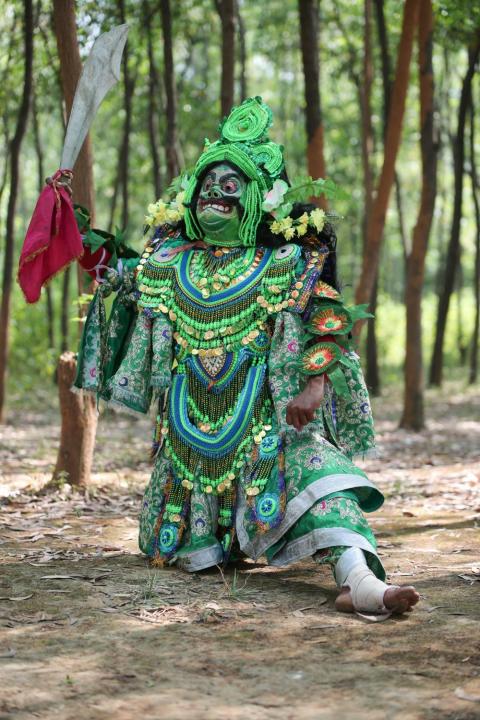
(345,419)
(346,409)
(317,342)
(103,341)
(125,359)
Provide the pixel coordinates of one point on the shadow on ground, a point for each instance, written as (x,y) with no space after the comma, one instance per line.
(88,630)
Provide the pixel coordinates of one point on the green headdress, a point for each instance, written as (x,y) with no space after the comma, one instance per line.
(243,142)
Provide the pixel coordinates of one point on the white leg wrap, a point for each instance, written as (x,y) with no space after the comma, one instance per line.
(367,591)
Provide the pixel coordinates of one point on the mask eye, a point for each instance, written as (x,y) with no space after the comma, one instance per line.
(207,183)
(230,186)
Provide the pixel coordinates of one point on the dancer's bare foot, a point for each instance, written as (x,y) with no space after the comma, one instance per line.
(397,599)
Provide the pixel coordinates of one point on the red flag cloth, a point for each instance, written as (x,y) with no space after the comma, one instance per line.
(52,241)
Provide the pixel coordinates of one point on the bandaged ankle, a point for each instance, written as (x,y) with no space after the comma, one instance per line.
(367,591)
(346,562)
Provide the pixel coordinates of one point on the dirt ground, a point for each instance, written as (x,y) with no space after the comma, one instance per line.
(89,631)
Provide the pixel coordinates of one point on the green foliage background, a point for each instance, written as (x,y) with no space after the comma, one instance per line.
(274,71)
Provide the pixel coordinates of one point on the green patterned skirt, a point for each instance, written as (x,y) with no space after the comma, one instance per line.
(325,495)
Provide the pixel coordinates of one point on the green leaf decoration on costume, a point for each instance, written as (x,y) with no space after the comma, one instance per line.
(347,361)
(337,378)
(359,312)
(178,184)
(305,187)
(317,358)
(119,238)
(283,211)
(247,123)
(330,320)
(94,240)
(82,216)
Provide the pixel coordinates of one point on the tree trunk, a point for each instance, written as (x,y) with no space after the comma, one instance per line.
(462,345)
(309,32)
(376,222)
(79,415)
(372,374)
(64,310)
(153,109)
(128,87)
(37,141)
(372,370)
(387,91)
(473,374)
(114,198)
(453,252)
(15,146)
(413,405)
(242,51)
(7,69)
(171,142)
(226,9)
(79,422)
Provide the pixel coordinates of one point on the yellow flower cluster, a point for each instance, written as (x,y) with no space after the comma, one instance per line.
(166,212)
(288,227)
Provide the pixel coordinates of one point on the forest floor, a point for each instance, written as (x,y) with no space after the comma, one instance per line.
(89,631)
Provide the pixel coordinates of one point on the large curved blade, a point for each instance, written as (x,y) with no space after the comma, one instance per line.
(100,72)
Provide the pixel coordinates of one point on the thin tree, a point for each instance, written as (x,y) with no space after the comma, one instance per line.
(128,88)
(227,11)
(37,141)
(309,33)
(363,83)
(373,370)
(387,92)
(153,102)
(14,154)
(453,251)
(6,73)
(413,405)
(376,221)
(242,45)
(172,150)
(473,374)
(78,410)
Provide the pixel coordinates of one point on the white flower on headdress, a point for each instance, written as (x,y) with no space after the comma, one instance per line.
(274,197)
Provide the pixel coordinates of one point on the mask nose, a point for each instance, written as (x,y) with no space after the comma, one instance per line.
(214,192)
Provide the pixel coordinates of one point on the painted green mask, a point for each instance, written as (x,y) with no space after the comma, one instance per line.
(245,147)
(219,205)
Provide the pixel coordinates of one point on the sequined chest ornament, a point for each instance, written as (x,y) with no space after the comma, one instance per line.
(219,301)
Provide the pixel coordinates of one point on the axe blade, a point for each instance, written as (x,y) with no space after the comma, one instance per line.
(100,73)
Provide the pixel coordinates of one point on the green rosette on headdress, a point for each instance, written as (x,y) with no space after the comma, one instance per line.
(243,142)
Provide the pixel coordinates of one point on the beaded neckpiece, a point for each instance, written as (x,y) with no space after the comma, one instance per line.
(216,302)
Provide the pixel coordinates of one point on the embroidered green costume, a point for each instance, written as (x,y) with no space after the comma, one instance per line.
(220,332)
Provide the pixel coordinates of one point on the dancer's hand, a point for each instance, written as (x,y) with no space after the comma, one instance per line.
(301,410)
(64,181)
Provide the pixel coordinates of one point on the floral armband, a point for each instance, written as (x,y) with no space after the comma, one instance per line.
(327,358)
(329,319)
(329,353)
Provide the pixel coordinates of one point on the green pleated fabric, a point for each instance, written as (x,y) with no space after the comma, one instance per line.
(131,384)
